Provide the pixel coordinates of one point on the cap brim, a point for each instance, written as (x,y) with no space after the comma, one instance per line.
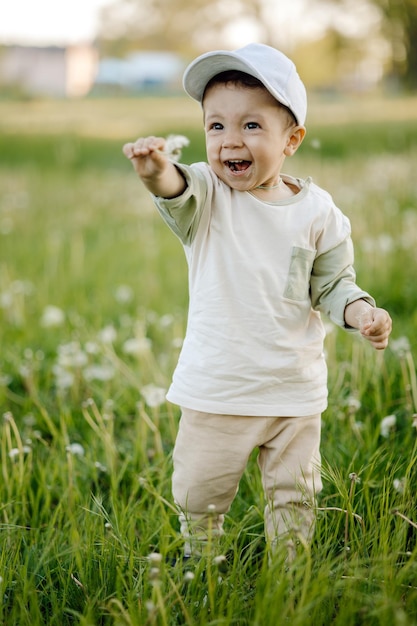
(199,73)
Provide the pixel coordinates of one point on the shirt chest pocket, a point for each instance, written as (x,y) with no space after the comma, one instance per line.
(298,282)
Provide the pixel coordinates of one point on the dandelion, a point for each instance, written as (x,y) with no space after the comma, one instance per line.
(52,317)
(166,320)
(71,355)
(63,378)
(211,509)
(221,562)
(315,144)
(353,403)
(174,145)
(5,380)
(123,294)
(150,606)
(155,558)
(154,396)
(189,577)
(399,484)
(99,372)
(137,346)
(108,334)
(414,423)
(400,346)
(75,449)
(15,452)
(91,347)
(387,425)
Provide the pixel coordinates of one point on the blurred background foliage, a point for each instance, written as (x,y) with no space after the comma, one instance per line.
(325,37)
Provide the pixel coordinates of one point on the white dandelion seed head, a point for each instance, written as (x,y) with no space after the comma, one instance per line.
(123,294)
(387,424)
(353,403)
(76,449)
(108,334)
(399,484)
(155,558)
(100,372)
(15,452)
(52,317)
(71,355)
(174,145)
(219,560)
(137,346)
(400,346)
(189,577)
(153,395)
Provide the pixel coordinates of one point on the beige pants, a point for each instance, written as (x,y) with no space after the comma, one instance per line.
(210,456)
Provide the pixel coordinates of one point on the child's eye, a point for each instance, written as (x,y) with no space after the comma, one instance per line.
(252,125)
(216,126)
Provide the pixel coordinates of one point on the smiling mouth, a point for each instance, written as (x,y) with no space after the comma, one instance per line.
(238,165)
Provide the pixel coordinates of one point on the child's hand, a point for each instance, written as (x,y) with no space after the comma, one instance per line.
(152,163)
(375,325)
(147,156)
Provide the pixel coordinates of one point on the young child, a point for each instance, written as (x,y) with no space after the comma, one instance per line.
(267,253)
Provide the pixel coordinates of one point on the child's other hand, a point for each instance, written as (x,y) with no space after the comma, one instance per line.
(376,326)
(147,156)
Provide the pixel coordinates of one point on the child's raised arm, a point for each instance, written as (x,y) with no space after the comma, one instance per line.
(158,173)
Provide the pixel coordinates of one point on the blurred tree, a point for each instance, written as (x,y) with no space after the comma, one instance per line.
(190,27)
(399,28)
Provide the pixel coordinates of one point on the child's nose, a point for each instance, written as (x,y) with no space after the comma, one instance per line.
(232,139)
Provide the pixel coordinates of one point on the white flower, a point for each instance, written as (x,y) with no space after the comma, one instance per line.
(154,396)
(387,424)
(52,317)
(99,372)
(124,294)
(174,145)
(155,558)
(76,449)
(166,320)
(108,334)
(14,452)
(70,355)
(315,144)
(399,484)
(64,379)
(353,403)
(137,345)
(400,346)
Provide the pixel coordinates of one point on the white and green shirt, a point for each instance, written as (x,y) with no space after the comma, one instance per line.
(259,275)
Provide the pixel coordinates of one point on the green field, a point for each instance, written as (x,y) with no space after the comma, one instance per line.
(93,300)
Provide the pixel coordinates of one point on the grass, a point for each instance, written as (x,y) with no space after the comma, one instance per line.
(92,312)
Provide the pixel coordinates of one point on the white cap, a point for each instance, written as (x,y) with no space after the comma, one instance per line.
(275,71)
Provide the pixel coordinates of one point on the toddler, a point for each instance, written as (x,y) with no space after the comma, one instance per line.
(267,253)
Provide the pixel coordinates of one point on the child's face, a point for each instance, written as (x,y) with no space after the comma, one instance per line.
(247,135)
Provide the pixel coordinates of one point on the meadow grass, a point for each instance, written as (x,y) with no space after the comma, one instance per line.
(93,297)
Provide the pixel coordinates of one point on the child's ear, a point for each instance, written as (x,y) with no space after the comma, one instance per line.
(295,138)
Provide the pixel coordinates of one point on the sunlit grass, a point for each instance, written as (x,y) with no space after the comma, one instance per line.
(92,314)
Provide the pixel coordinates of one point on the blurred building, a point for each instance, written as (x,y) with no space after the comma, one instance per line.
(140,71)
(48,71)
